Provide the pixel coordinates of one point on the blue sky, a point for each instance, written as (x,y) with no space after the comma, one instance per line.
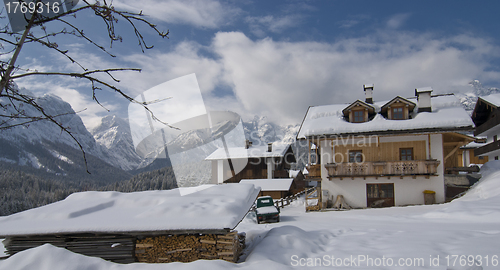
(276,58)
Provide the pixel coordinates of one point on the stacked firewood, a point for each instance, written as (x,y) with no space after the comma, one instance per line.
(188,248)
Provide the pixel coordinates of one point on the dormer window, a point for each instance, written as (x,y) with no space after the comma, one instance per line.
(359,116)
(398,113)
(358,112)
(398,109)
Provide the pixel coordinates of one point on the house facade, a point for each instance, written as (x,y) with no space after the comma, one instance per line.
(388,153)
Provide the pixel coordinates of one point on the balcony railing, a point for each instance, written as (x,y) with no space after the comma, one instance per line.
(314,171)
(383,168)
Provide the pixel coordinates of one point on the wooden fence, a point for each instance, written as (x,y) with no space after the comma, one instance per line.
(281,203)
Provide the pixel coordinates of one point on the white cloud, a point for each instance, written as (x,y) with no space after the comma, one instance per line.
(184,59)
(353,21)
(397,20)
(281,79)
(199,13)
(259,25)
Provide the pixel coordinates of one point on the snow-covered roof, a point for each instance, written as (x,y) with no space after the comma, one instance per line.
(424,89)
(277,184)
(447,113)
(493,99)
(473,145)
(278,150)
(293,173)
(207,207)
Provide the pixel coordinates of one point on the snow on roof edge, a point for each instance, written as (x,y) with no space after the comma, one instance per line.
(217,208)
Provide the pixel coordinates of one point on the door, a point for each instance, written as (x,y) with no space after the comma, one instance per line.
(380,195)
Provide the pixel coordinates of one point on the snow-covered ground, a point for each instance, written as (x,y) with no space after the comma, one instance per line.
(463,234)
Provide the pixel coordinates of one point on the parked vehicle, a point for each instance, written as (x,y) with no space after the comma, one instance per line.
(266,211)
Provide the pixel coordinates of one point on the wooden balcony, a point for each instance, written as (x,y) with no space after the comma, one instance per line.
(383,168)
(314,172)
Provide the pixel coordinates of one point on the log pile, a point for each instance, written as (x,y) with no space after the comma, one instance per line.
(188,248)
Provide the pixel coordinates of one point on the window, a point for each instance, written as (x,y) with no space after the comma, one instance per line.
(495,138)
(397,113)
(406,154)
(359,116)
(380,195)
(355,156)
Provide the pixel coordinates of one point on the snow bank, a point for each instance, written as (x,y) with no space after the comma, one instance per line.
(415,237)
(481,202)
(206,207)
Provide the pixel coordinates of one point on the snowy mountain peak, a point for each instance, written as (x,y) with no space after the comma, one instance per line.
(113,134)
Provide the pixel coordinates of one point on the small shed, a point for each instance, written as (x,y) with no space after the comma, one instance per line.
(277,188)
(183,224)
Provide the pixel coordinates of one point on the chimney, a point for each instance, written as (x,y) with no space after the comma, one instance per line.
(248,143)
(269,147)
(368,93)
(424,99)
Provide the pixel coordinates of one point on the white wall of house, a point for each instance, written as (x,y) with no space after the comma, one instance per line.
(437,153)
(407,191)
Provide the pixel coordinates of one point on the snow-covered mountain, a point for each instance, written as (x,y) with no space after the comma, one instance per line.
(260,131)
(113,134)
(43,148)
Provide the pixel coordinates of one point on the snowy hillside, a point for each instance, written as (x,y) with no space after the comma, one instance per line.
(40,131)
(462,234)
(42,148)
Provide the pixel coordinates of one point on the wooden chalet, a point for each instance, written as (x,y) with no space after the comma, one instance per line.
(388,153)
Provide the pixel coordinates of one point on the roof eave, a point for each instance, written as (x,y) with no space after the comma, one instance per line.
(392,132)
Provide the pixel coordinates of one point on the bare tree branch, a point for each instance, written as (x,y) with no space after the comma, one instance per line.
(16,100)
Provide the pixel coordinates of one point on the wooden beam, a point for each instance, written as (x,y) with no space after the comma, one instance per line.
(461,143)
(451,153)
